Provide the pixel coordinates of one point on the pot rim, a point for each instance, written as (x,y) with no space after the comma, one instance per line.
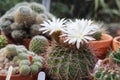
(116,39)
(108,38)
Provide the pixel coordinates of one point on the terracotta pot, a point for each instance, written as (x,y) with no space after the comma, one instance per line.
(26,43)
(18,77)
(116,43)
(101,47)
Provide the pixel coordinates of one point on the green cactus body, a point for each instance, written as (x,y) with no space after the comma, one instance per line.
(37,8)
(34,69)
(39,64)
(70,64)
(10,51)
(24,70)
(16,26)
(24,15)
(24,62)
(38,44)
(116,56)
(23,56)
(3,41)
(9,18)
(106,75)
(18,34)
(38,59)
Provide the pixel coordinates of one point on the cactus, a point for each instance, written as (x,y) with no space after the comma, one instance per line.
(5,26)
(16,26)
(70,64)
(18,34)
(24,15)
(37,8)
(24,70)
(10,51)
(9,18)
(34,69)
(23,56)
(39,19)
(24,62)
(34,30)
(38,64)
(97,35)
(3,41)
(108,72)
(38,44)
(115,56)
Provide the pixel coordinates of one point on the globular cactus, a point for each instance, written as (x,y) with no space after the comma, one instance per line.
(34,69)
(37,8)
(39,64)
(16,26)
(38,44)
(34,30)
(9,18)
(38,59)
(108,72)
(97,35)
(24,70)
(23,56)
(70,64)
(10,51)
(5,26)
(18,34)
(24,62)
(3,41)
(24,15)
(39,19)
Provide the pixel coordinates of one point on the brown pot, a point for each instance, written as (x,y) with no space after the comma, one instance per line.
(26,43)
(18,77)
(116,43)
(101,47)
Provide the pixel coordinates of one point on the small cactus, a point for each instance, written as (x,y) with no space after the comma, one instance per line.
(3,41)
(24,70)
(16,26)
(24,15)
(38,44)
(34,69)
(18,34)
(39,19)
(24,62)
(34,30)
(10,51)
(115,56)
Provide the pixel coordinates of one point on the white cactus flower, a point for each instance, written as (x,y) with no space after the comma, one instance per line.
(53,25)
(79,31)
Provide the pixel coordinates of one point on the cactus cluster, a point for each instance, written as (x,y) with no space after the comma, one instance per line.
(24,62)
(70,64)
(109,68)
(38,44)
(24,18)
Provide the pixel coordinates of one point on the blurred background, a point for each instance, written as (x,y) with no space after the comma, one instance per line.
(101,10)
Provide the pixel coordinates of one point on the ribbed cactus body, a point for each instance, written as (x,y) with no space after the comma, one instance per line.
(70,64)
(38,44)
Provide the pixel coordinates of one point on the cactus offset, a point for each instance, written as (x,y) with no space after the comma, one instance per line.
(24,70)
(38,44)
(18,34)
(34,69)
(70,64)
(34,30)
(24,15)
(3,41)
